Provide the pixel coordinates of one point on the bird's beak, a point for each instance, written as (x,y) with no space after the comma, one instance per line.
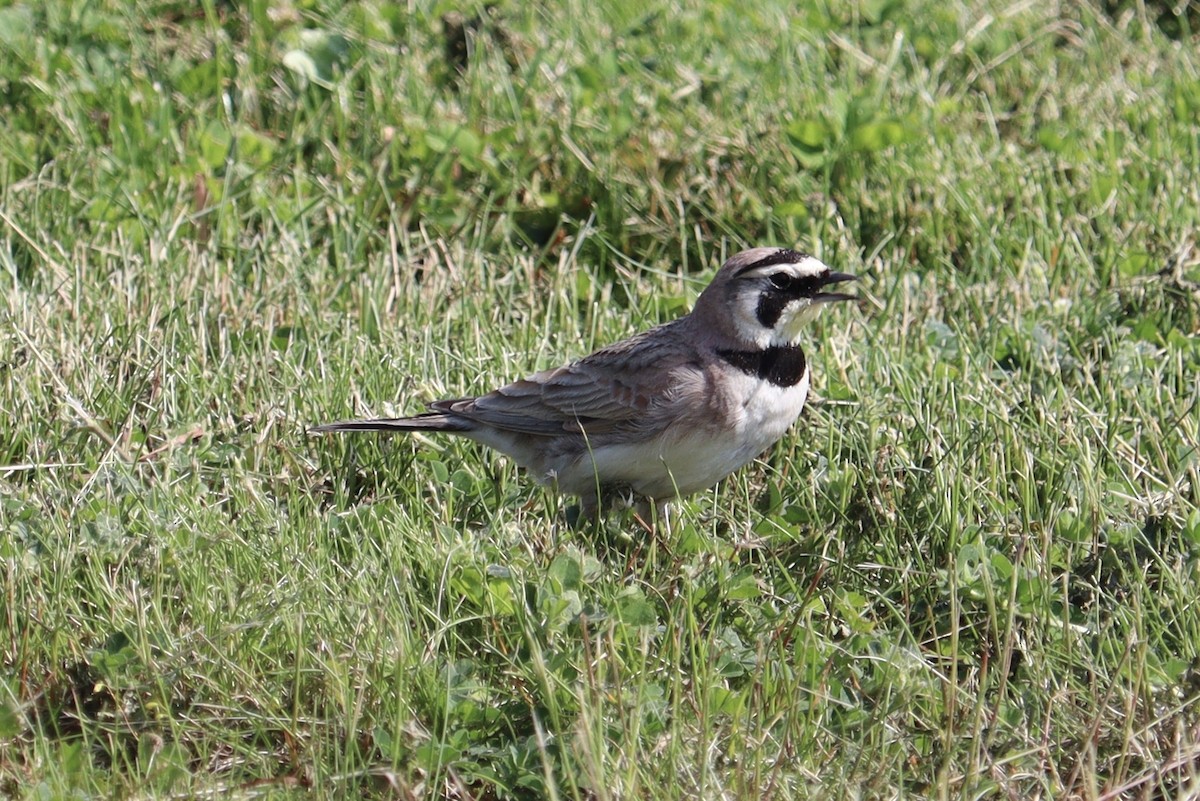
(832,297)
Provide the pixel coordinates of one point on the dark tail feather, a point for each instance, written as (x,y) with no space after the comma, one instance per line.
(431,421)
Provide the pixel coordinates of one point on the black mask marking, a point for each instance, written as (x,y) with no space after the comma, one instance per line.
(782,366)
(771,305)
(783,289)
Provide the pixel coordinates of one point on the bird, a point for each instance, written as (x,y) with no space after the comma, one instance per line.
(667,412)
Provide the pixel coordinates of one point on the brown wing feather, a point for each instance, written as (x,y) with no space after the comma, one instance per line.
(623,387)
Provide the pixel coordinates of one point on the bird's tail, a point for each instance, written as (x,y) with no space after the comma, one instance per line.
(430,421)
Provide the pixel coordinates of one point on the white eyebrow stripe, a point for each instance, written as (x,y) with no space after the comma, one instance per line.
(807,267)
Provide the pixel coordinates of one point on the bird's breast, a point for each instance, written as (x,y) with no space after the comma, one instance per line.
(779,365)
(767,411)
(744,416)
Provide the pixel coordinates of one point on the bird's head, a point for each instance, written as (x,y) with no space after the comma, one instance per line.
(766,295)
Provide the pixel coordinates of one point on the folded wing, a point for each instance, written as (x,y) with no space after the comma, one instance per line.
(627,388)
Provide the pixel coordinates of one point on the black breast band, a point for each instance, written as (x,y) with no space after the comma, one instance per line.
(782,366)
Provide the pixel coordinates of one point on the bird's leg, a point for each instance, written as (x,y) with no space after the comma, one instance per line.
(588,512)
(653,515)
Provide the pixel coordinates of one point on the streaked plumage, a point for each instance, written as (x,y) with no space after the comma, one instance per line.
(667,412)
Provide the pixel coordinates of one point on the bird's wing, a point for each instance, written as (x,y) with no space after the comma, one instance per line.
(629,386)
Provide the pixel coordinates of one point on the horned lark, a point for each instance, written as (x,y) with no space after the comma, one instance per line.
(667,412)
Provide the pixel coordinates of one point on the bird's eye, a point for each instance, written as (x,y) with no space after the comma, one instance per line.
(781,280)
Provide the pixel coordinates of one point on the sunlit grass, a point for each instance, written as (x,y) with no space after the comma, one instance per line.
(971,571)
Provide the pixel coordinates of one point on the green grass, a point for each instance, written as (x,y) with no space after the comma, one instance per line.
(972,572)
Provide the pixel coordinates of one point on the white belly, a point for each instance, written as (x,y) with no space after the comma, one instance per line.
(692,456)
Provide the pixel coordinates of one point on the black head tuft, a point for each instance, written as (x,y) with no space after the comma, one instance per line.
(780,256)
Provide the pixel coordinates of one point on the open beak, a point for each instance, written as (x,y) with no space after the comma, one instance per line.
(832,297)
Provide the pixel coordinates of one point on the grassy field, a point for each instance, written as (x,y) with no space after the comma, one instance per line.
(972,572)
